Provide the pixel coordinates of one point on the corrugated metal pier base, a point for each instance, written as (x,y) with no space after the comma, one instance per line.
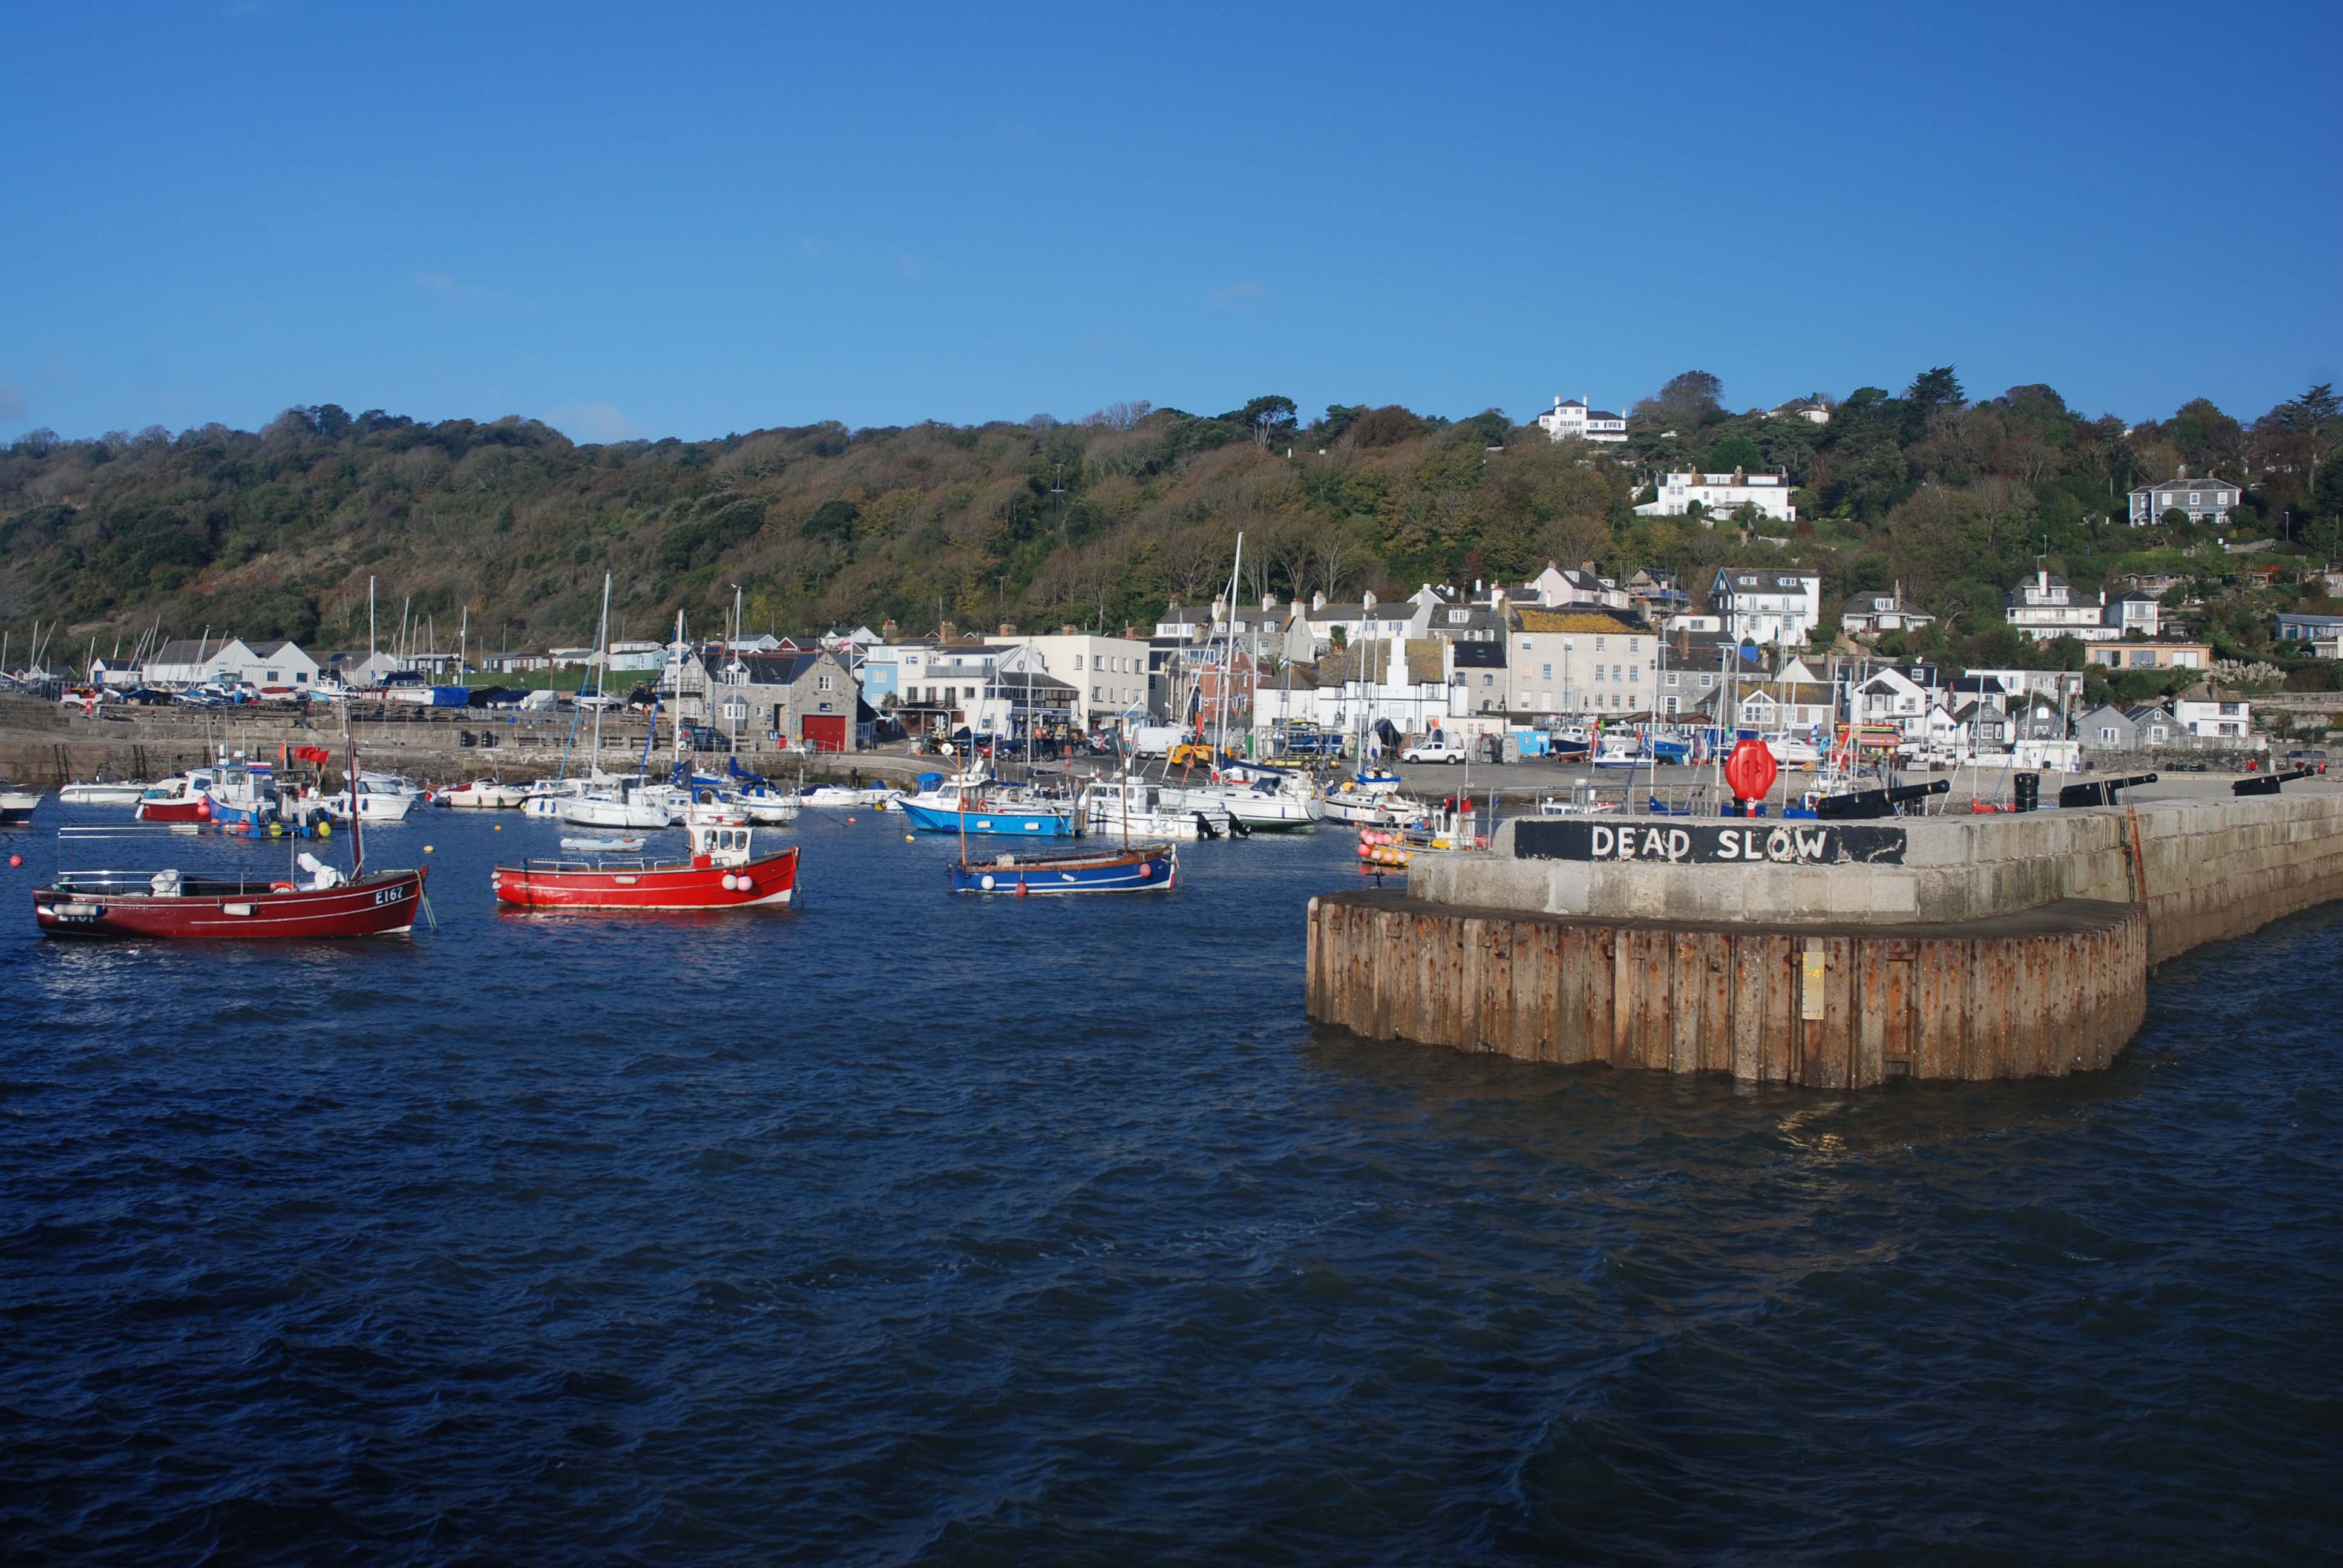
(2041,993)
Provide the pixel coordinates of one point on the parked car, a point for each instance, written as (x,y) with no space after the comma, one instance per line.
(144,696)
(590,700)
(1433,748)
(706,738)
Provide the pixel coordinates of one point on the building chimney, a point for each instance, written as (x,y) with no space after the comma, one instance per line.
(1269,601)
(887,630)
(1317,601)
(946,631)
(1067,629)
(1008,628)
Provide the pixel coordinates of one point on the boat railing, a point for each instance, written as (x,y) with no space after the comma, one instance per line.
(139,831)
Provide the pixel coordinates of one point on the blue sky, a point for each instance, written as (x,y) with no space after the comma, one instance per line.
(642,220)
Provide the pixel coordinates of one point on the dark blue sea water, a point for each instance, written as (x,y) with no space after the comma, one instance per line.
(906,1229)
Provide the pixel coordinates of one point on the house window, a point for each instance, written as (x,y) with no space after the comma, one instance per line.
(2108,733)
(1078,661)
(821,683)
(1598,672)
(1545,672)
(1635,672)
(1672,680)
(1488,680)
(1598,645)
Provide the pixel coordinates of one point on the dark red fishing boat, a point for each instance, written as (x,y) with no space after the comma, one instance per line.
(172,904)
(722,873)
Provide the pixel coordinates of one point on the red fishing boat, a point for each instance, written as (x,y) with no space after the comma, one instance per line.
(723,872)
(182,800)
(174,904)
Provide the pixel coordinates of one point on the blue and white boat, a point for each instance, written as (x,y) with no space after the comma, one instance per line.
(243,796)
(1141,869)
(1009,818)
(963,806)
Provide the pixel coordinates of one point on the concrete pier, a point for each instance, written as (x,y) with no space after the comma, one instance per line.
(1835,955)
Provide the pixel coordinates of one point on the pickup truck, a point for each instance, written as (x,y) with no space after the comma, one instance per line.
(1433,748)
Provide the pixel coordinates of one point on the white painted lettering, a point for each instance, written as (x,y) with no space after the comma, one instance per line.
(1778,846)
(1652,843)
(1811,845)
(1602,844)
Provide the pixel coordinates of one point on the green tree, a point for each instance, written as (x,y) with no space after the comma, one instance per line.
(1736,451)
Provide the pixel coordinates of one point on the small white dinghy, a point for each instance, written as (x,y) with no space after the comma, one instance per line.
(615,846)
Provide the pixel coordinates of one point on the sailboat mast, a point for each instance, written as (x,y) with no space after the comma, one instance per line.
(594,664)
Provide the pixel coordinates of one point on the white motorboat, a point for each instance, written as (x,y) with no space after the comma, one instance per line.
(1792,752)
(846,796)
(620,805)
(1260,808)
(390,783)
(100,793)
(1138,808)
(376,805)
(766,805)
(1359,809)
(16,805)
(486,795)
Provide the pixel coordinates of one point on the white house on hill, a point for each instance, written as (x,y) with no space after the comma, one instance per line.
(1572,420)
(1763,606)
(1721,495)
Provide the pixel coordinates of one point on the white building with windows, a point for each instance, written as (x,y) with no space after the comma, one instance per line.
(2206,500)
(2047,606)
(1108,674)
(1721,495)
(1766,605)
(2210,712)
(1570,419)
(1365,621)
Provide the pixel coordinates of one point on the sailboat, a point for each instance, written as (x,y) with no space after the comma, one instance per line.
(1142,868)
(618,803)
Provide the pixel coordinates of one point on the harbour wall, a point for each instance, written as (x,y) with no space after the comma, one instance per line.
(1836,955)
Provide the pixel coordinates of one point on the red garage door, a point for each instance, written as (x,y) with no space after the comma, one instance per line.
(826,732)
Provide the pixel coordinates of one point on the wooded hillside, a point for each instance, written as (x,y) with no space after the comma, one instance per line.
(1099,522)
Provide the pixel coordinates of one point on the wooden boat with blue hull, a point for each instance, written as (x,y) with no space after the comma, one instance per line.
(1142,869)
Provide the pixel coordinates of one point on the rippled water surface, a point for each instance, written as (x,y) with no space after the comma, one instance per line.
(903,1228)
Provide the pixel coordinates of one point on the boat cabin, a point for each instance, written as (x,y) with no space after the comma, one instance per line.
(713,845)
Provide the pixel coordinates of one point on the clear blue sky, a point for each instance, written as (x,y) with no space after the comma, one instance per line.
(675,221)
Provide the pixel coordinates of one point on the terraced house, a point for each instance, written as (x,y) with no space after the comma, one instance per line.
(1580,660)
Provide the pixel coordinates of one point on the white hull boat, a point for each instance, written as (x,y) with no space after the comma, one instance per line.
(607,809)
(1364,810)
(486,795)
(1140,811)
(844,796)
(101,794)
(1261,810)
